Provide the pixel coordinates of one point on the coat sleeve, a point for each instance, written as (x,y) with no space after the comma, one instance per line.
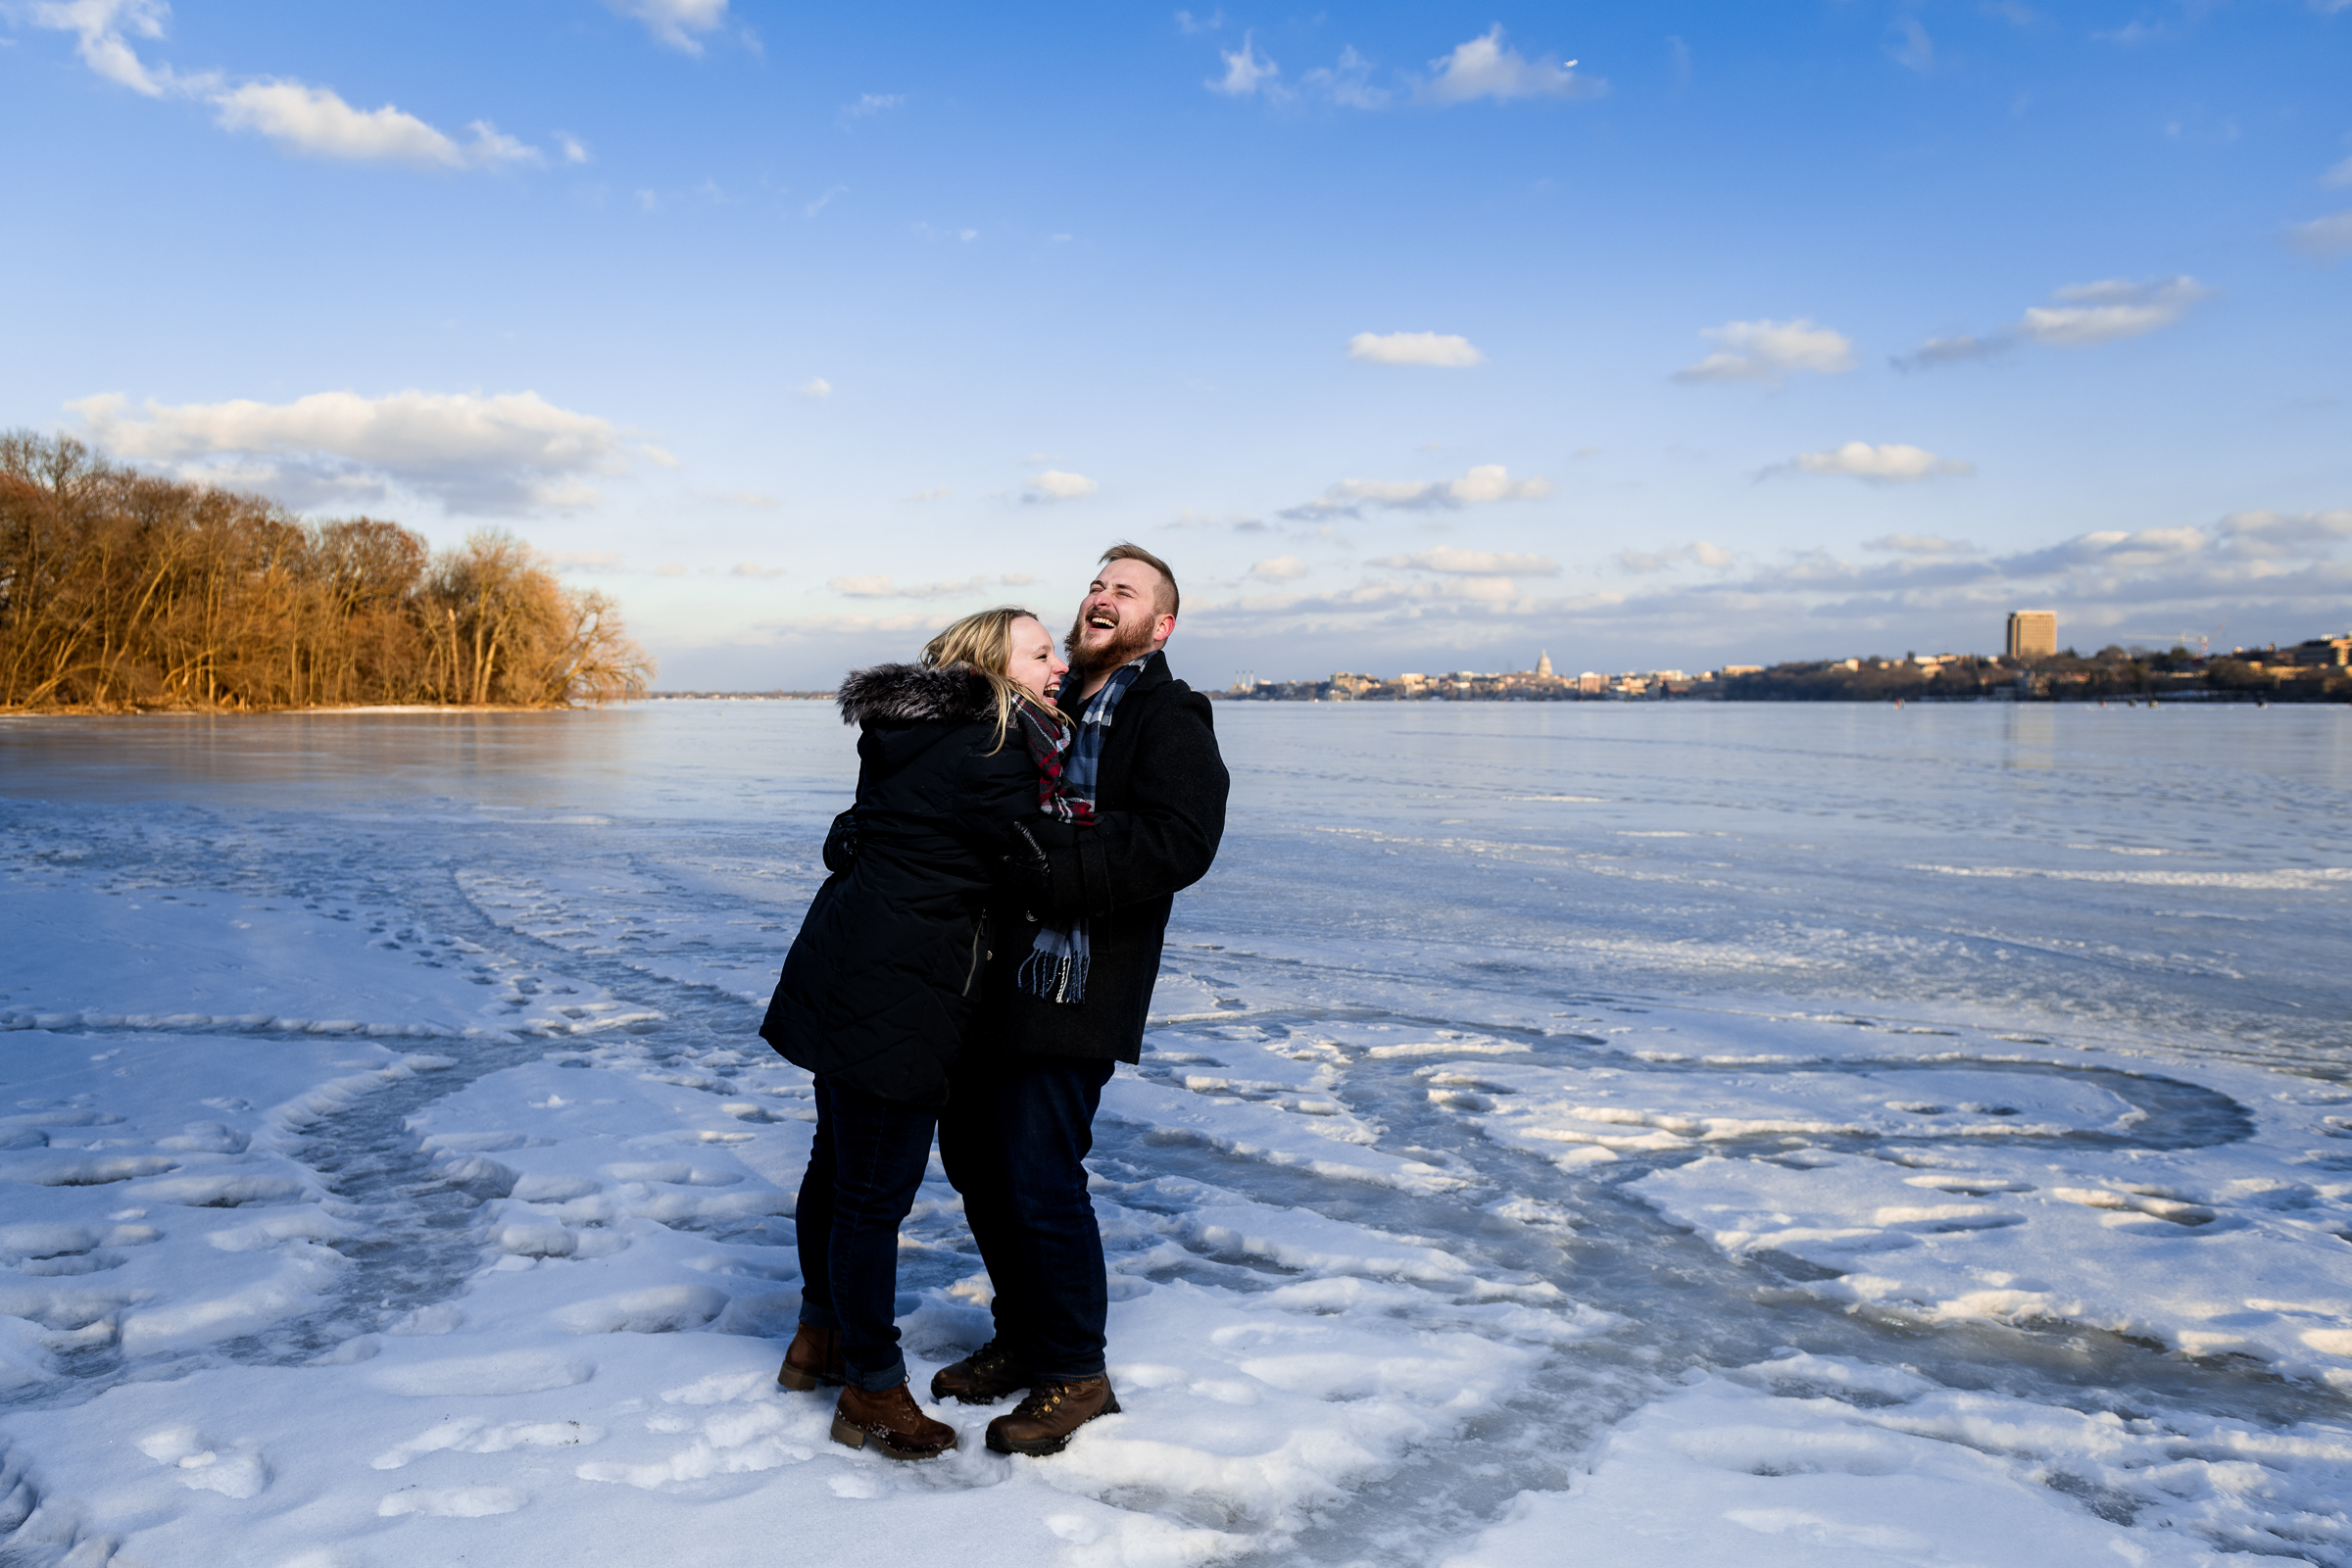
(993,791)
(1165,835)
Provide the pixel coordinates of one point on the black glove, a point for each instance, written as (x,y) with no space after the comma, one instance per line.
(841,842)
(1027,871)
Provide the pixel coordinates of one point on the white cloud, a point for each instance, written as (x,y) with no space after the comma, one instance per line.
(1485,483)
(675,22)
(2340,175)
(1055,485)
(2081,315)
(1887,463)
(300,117)
(1280,569)
(1919,544)
(2325,237)
(873,103)
(935,492)
(886,588)
(582,560)
(818,387)
(574,150)
(2267,574)
(318,121)
(2287,533)
(751,568)
(1186,21)
(101,26)
(1916,50)
(1486,590)
(1771,351)
(1956,350)
(1349,83)
(509,452)
(1245,71)
(1484,68)
(1700,553)
(2109,310)
(1442,349)
(1473,563)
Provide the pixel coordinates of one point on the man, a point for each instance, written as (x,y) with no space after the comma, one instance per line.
(1065,999)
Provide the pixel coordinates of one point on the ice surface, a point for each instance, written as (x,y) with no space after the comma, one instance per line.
(1592,1136)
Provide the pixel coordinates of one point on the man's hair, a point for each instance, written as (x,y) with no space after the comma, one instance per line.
(1125,552)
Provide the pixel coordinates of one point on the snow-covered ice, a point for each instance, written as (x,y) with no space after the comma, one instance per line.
(1566,1136)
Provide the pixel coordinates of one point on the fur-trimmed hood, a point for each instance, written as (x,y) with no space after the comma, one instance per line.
(912,694)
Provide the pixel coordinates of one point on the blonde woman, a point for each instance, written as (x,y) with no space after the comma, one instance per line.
(880,984)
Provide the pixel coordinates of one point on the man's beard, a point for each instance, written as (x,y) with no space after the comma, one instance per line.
(1128,639)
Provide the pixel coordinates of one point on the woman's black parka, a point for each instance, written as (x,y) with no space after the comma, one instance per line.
(880,984)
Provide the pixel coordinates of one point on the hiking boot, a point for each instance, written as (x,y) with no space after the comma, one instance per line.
(891,1422)
(813,1357)
(983,1377)
(1044,1422)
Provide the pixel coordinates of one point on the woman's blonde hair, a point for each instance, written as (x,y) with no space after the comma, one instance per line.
(984,641)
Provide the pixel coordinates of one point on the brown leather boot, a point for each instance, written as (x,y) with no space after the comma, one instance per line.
(891,1421)
(983,1377)
(813,1357)
(1044,1422)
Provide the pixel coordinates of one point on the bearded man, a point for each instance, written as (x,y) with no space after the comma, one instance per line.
(1064,1000)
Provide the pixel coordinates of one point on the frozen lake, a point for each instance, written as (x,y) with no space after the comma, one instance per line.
(1756,1134)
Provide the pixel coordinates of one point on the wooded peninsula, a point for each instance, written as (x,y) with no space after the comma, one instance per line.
(122,591)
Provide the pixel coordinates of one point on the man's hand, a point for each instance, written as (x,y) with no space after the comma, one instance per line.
(1029,862)
(841,842)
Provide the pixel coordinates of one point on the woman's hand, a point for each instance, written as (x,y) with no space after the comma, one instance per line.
(841,842)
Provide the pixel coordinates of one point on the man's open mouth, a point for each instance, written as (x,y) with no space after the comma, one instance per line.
(1103,621)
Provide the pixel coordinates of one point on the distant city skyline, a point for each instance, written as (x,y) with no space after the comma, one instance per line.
(1410,334)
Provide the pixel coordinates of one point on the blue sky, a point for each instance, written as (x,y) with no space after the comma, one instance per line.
(1417,338)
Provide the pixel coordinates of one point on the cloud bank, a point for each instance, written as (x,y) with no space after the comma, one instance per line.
(2078,315)
(2289,567)
(309,121)
(1482,485)
(502,455)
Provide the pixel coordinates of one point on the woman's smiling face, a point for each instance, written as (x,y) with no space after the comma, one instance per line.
(1035,667)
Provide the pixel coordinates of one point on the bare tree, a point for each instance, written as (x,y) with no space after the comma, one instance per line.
(125,590)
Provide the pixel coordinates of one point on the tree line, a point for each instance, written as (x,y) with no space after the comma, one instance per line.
(2295,675)
(121,590)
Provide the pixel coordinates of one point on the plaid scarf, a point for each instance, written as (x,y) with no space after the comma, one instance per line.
(1069,761)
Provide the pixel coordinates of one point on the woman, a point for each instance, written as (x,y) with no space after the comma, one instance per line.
(882,979)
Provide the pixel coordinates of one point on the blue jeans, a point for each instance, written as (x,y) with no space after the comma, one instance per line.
(863,1170)
(1015,1135)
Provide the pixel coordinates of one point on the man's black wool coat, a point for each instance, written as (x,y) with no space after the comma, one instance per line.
(1159,803)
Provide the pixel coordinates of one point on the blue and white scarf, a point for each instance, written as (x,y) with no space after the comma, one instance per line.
(1056,964)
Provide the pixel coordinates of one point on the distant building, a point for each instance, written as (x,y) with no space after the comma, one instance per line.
(2032,633)
(1543,664)
(1743,670)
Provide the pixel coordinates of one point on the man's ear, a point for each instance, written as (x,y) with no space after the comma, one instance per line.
(1164,629)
